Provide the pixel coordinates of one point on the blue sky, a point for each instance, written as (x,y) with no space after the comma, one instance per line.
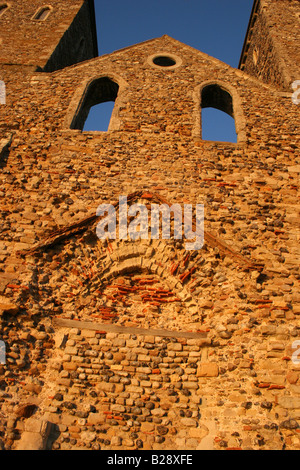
(216,27)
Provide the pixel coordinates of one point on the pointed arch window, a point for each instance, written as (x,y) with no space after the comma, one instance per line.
(217,114)
(3,8)
(42,13)
(96,110)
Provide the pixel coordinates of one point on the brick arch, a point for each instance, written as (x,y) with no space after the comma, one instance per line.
(90,282)
(140,265)
(130,257)
(91,272)
(84,225)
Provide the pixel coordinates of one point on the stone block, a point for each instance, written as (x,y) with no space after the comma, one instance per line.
(69,366)
(116,441)
(88,436)
(208,369)
(106,387)
(199,432)
(35,435)
(149,339)
(189,422)
(30,441)
(289,402)
(95,419)
(191,385)
(71,350)
(147,427)
(175,347)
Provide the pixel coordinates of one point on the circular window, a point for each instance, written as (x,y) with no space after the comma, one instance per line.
(164,61)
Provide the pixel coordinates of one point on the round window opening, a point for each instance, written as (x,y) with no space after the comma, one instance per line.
(164,61)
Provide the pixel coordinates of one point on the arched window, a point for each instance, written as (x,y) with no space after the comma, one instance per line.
(3,8)
(42,13)
(96,109)
(217,114)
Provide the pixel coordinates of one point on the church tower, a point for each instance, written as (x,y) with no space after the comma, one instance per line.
(271,48)
(47,36)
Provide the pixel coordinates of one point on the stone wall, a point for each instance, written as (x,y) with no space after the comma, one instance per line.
(271,50)
(52,43)
(172,349)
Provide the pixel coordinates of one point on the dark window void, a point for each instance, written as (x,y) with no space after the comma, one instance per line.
(97,106)
(218,122)
(3,7)
(42,13)
(164,61)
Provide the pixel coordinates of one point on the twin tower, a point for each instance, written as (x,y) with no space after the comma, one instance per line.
(37,37)
(48,37)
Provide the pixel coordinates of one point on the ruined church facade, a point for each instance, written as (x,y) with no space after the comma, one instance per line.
(142,344)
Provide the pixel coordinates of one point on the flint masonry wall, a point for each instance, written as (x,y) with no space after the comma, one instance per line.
(51,44)
(270,50)
(233,384)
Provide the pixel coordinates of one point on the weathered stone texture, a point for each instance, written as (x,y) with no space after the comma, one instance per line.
(51,44)
(144,344)
(271,49)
